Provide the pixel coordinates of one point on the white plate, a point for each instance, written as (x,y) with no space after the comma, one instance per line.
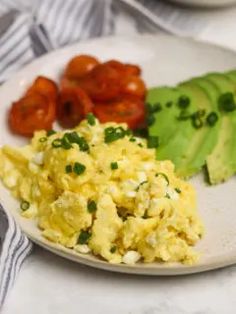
(164,60)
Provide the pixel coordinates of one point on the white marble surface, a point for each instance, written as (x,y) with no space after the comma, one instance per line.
(49,284)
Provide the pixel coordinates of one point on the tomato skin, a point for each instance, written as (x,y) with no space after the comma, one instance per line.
(32,112)
(103,83)
(132,69)
(44,86)
(74,105)
(134,86)
(128,109)
(80,66)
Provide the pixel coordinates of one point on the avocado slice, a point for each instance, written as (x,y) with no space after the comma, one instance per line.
(174,135)
(221,163)
(231,75)
(205,138)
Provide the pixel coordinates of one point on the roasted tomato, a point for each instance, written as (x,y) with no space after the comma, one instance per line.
(103,83)
(32,112)
(134,86)
(79,66)
(73,106)
(132,69)
(128,109)
(45,87)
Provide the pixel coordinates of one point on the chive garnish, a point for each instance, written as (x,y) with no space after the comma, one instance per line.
(183,102)
(114,165)
(164,176)
(24,205)
(226,102)
(68,168)
(169,104)
(150,120)
(140,145)
(84,237)
(153,108)
(78,168)
(113,134)
(132,139)
(153,142)
(56,143)
(212,118)
(167,196)
(42,139)
(177,190)
(91,206)
(51,132)
(138,187)
(197,123)
(91,119)
(113,249)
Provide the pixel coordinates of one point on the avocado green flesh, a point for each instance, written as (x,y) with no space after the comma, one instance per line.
(231,75)
(221,163)
(174,135)
(204,139)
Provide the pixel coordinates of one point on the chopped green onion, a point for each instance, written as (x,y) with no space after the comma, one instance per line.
(114,165)
(42,139)
(113,249)
(226,102)
(132,139)
(183,102)
(169,104)
(91,119)
(79,168)
(164,176)
(153,142)
(150,120)
(177,190)
(84,237)
(24,205)
(153,108)
(138,187)
(56,143)
(113,134)
(197,123)
(212,118)
(74,138)
(91,206)
(65,143)
(68,168)
(140,145)
(51,132)
(198,114)
(145,216)
(167,196)
(184,115)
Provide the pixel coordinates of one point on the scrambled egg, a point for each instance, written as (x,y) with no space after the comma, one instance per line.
(99,189)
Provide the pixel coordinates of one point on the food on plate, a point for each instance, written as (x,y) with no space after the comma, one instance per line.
(195,123)
(73,106)
(86,85)
(98,188)
(36,110)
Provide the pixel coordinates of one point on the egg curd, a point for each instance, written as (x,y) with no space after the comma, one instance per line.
(99,189)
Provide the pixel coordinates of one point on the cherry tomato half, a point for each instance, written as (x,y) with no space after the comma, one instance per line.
(130,110)
(74,105)
(134,85)
(80,65)
(132,69)
(32,112)
(44,86)
(103,83)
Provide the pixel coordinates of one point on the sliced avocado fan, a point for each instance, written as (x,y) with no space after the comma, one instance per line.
(221,163)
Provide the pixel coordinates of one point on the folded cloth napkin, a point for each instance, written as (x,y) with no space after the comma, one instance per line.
(40,26)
